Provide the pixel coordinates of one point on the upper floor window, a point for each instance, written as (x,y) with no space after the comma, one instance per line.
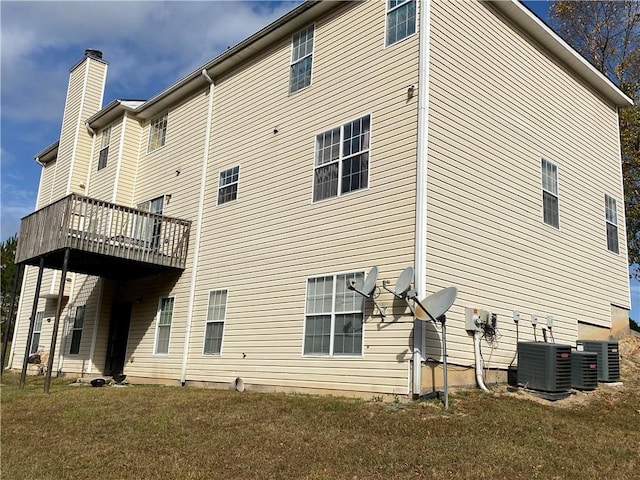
(611,220)
(76,335)
(342,159)
(550,194)
(228,185)
(104,148)
(401,20)
(215,322)
(163,326)
(301,59)
(334,316)
(157,132)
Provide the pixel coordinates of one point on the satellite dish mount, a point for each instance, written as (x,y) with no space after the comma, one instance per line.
(368,289)
(434,307)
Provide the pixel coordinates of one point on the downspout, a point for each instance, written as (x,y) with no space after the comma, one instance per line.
(196,249)
(93,151)
(420,253)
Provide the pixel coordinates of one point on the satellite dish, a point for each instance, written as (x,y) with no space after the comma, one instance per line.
(370,282)
(437,304)
(368,288)
(404,281)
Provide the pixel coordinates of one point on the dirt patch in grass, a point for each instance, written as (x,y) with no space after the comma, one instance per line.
(154,432)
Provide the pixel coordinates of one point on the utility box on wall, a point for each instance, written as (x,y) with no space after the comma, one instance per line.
(544,366)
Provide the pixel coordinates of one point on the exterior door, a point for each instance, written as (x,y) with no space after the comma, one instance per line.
(118,336)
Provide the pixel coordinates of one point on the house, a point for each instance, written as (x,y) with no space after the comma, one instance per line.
(211,231)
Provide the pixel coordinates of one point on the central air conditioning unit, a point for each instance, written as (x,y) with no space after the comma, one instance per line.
(608,358)
(584,370)
(544,366)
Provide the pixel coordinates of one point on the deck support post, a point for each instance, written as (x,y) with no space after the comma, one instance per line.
(14,288)
(32,322)
(56,323)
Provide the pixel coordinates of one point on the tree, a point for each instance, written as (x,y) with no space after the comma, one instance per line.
(607,33)
(7,272)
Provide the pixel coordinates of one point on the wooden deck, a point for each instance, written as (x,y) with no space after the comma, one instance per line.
(101,232)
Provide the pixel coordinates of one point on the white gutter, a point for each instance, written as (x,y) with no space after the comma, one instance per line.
(93,151)
(420,253)
(196,249)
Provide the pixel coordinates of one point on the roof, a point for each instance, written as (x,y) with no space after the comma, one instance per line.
(48,154)
(232,57)
(112,112)
(286,25)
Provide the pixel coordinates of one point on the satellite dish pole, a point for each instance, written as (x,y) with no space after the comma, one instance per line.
(433,308)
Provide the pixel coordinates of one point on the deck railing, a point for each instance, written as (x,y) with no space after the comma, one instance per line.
(95,226)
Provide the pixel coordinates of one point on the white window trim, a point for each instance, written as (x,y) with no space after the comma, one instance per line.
(157,320)
(312,54)
(386,22)
(102,147)
(39,332)
(333,319)
(164,114)
(74,329)
(237,182)
(206,322)
(607,222)
(315,150)
(542,189)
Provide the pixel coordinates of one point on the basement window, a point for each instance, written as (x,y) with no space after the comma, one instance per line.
(76,335)
(37,330)
(334,316)
(216,312)
(163,325)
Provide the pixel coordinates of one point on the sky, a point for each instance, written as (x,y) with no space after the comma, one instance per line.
(149,46)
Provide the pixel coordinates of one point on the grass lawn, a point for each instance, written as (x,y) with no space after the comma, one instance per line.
(154,432)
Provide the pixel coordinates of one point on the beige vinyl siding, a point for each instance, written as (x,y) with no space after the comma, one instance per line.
(87,79)
(157,175)
(69,129)
(103,181)
(128,162)
(263,246)
(497,105)
(109,289)
(86,293)
(91,104)
(24,313)
(46,184)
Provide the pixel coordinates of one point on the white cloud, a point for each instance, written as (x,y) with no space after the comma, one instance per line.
(149,45)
